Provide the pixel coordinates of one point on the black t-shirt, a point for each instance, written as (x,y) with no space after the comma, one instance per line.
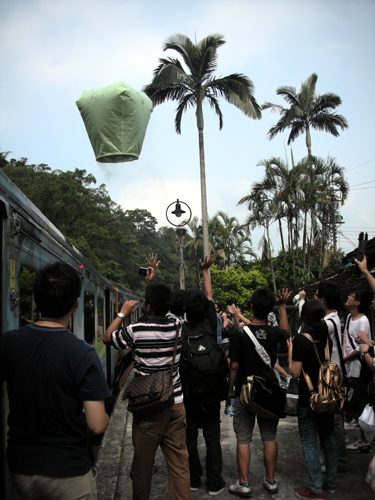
(242,351)
(49,373)
(303,350)
(212,317)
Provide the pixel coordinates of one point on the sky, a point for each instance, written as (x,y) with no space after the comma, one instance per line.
(53,50)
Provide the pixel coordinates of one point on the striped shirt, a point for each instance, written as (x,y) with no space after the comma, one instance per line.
(152,344)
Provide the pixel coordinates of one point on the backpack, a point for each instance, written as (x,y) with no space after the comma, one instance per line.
(330,395)
(203,364)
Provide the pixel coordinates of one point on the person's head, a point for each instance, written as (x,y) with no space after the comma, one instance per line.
(177,307)
(158,299)
(219,309)
(360,299)
(329,293)
(196,305)
(313,311)
(262,302)
(57,286)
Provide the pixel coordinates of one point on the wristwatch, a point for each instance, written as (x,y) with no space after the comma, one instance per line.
(120,315)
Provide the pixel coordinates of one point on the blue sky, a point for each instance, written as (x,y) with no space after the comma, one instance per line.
(53,50)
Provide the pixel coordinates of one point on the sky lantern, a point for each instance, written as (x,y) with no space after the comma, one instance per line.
(116,119)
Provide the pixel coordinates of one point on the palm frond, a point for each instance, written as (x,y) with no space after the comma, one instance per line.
(185,47)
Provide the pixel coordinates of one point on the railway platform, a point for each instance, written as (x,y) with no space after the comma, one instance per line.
(116,451)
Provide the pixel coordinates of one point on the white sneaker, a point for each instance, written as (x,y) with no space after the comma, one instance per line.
(271,485)
(359,446)
(241,490)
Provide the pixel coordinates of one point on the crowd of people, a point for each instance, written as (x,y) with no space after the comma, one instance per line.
(65,389)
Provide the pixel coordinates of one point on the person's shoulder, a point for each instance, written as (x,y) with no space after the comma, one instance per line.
(277,331)
(364,320)
(237,333)
(303,338)
(173,318)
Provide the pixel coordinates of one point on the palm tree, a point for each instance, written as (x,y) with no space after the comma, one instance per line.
(262,214)
(230,238)
(172,82)
(306,110)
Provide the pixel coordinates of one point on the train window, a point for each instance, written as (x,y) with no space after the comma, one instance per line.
(100,318)
(89,318)
(28,312)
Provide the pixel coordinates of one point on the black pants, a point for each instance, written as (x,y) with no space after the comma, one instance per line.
(207,419)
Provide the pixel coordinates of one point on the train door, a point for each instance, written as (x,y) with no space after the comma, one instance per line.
(4,481)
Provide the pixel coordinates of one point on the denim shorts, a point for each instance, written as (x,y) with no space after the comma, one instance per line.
(243,425)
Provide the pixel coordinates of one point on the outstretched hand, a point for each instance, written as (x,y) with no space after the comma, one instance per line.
(152,261)
(282,297)
(207,263)
(233,310)
(362,264)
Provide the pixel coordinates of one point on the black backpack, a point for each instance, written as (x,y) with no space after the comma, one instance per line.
(203,365)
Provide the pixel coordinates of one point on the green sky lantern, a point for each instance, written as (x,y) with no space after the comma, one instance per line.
(116,119)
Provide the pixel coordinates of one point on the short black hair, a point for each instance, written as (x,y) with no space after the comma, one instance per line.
(364,297)
(331,292)
(56,288)
(313,312)
(159,297)
(196,305)
(263,301)
(177,307)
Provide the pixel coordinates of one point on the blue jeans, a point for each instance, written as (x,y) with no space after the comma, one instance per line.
(310,426)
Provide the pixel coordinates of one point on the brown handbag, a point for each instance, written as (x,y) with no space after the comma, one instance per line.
(152,393)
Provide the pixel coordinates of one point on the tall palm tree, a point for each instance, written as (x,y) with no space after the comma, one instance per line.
(192,88)
(306,110)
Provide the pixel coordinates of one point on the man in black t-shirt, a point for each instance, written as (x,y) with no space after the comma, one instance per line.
(245,361)
(56,388)
(201,315)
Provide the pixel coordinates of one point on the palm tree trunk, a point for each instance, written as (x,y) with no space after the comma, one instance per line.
(282,241)
(270,257)
(304,240)
(203,195)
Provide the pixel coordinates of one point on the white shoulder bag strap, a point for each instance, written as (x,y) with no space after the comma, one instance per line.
(259,348)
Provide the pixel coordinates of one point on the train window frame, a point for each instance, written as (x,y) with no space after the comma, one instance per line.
(89,311)
(100,317)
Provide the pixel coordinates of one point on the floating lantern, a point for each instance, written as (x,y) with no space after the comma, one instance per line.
(116,119)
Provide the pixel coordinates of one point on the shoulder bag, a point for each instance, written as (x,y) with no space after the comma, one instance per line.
(263,396)
(330,396)
(152,393)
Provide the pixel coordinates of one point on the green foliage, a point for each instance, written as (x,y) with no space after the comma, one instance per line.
(115,242)
(235,286)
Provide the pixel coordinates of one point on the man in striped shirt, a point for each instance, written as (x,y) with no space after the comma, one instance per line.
(152,344)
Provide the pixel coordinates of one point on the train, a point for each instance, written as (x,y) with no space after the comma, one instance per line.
(28,242)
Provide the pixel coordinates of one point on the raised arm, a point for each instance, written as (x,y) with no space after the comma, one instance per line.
(237,316)
(153,264)
(205,266)
(363,268)
(127,308)
(281,300)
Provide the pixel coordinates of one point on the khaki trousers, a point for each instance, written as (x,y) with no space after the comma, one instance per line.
(166,428)
(26,487)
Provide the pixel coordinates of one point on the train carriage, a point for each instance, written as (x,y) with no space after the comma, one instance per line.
(30,241)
